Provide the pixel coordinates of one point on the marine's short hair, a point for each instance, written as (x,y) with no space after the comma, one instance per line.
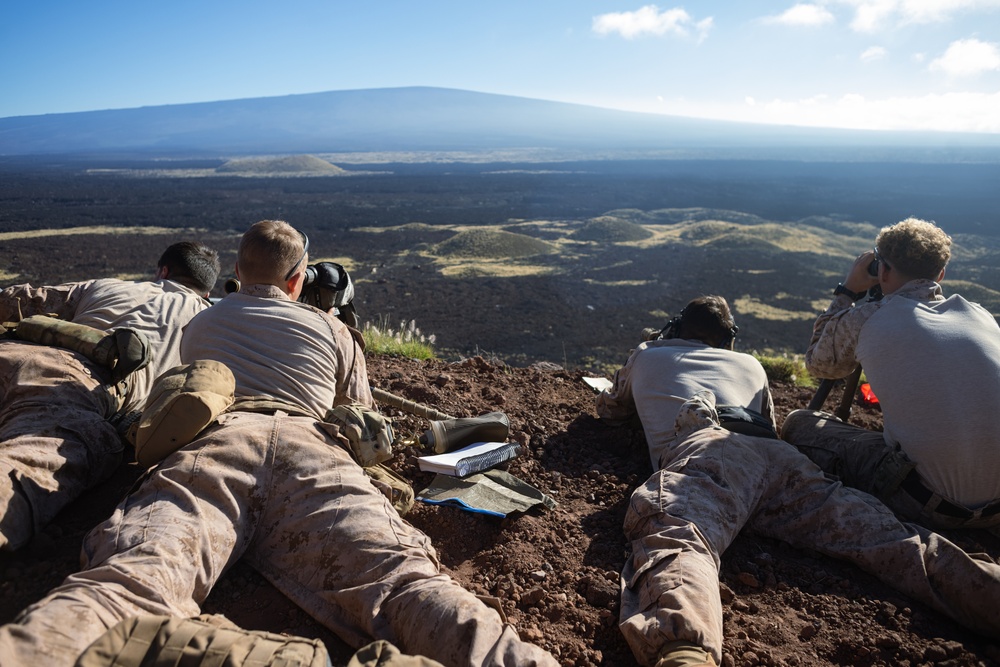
(915,247)
(708,319)
(269,250)
(192,264)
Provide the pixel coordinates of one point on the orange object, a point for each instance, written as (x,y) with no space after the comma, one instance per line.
(868,396)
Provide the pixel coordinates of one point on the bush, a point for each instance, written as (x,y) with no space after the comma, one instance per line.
(785,369)
(404,341)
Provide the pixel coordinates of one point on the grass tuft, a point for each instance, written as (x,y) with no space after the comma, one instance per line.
(785,368)
(405,340)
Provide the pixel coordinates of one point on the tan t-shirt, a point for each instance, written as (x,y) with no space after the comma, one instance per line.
(281,349)
(660,375)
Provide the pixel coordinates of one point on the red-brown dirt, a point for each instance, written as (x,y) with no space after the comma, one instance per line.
(556,572)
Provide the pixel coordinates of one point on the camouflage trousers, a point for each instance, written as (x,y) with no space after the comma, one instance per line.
(862,459)
(55,440)
(280,492)
(713,483)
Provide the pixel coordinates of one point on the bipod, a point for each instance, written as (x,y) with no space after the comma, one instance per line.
(843,411)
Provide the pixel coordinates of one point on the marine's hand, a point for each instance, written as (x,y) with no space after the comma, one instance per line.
(858,279)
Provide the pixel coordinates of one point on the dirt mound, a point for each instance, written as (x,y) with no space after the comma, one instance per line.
(556,573)
(492,243)
(610,230)
(289,165)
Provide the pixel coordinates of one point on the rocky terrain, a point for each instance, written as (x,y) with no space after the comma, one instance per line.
(556,573)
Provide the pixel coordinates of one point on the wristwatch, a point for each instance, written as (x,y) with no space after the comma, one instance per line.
(855,296)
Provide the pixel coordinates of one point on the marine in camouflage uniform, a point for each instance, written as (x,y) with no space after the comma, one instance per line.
(934,365)
(274,484)
(712,483)
(56,439)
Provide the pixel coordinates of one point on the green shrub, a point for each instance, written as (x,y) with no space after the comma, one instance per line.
(403,341)
(785,368)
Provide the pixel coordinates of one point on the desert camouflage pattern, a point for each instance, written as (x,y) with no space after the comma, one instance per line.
(157,310)
(713,483)
(56,440)
(344,555)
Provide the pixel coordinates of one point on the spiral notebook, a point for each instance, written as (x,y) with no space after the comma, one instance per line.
(477,457)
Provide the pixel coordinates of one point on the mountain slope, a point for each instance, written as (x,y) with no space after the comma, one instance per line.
(420,118)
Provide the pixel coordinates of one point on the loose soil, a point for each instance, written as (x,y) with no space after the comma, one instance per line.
(556,573)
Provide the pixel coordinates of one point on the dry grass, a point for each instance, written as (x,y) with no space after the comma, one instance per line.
(290,164)
(102,229)
(749,305)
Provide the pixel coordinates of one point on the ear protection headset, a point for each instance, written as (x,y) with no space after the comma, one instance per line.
(673,328)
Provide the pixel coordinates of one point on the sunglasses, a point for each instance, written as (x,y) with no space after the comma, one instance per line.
(305,251)
(873,267)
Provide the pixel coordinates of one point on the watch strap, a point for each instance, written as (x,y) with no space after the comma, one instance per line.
(855,296)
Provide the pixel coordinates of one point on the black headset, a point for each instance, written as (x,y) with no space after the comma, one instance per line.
(673,328)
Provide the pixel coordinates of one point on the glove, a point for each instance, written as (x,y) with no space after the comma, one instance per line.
(124,351)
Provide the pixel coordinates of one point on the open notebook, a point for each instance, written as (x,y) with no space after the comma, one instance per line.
(477,457)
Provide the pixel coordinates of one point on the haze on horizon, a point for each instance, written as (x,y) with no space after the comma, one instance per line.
(866,64)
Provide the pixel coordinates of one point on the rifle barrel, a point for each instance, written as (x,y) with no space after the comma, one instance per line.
(414,408)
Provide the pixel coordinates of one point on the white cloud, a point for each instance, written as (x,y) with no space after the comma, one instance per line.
(650,20)
(951,112)
(874,15)
(803,15)
(873,53)
(967,57)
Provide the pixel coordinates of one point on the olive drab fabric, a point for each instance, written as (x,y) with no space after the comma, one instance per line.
(369,433)
(395,488)
(183,401)
(123,350)
(383,654)
(205,641)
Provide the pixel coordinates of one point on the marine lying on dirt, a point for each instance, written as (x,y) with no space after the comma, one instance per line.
(92,363)
(271,481)
(711,482)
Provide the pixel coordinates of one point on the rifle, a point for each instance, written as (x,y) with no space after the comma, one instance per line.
(446,432)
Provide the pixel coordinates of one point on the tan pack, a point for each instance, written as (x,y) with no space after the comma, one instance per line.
(182,403)
(206,641)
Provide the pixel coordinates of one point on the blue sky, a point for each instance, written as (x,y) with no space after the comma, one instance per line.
(880,64)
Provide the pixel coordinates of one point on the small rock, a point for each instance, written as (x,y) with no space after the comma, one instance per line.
(533,596)
(935,653)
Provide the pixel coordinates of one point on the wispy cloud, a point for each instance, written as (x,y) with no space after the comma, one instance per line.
(875,15)
(651,20)
(802,15)
(951,112)
(873,53)
(967,57)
